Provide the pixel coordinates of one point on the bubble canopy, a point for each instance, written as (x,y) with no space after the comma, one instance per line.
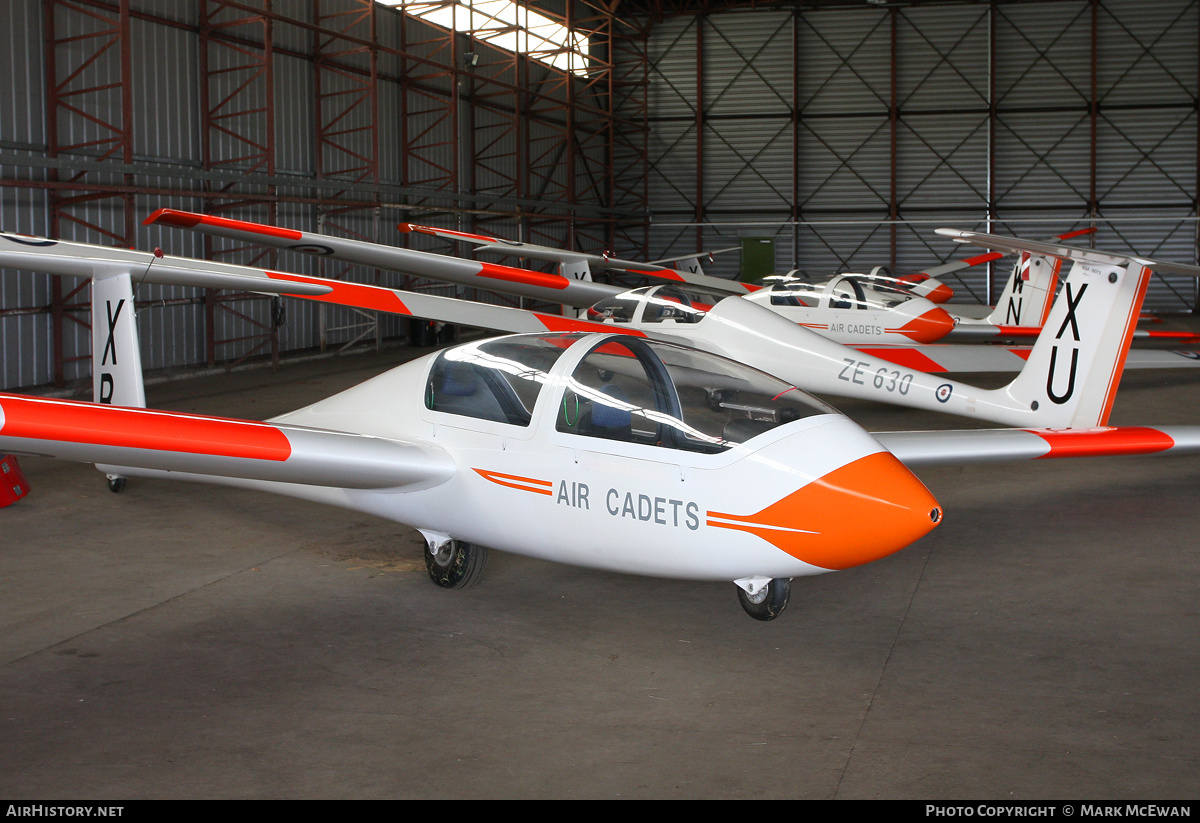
(622,388)
(656,304)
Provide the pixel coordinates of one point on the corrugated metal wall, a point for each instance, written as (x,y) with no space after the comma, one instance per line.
(782,121)
(168,130)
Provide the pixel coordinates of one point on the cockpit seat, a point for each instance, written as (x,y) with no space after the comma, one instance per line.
(613,422)
(458,388)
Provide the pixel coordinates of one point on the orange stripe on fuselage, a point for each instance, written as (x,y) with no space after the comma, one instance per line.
(515,481)
(74,422)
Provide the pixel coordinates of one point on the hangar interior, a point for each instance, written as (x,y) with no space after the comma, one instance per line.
(843,131)
(180,641)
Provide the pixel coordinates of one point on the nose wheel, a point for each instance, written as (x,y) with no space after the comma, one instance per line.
(767,602)
(455,564)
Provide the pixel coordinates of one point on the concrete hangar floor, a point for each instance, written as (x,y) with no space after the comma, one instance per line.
(185,641)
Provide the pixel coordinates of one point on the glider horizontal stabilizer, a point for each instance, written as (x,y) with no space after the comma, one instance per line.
(1064,252)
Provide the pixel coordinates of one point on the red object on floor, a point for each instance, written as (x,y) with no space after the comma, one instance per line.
(13,485)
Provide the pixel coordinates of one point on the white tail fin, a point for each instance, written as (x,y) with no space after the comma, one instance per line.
(1029,293)
(575,269)
(1071,377)
(690,265)
(116,354)
(1076,364)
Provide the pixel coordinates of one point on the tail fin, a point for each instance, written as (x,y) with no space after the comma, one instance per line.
(1078,359)
(575,269)
(1029,293)
(1071,377)
(116,355)
(690,265)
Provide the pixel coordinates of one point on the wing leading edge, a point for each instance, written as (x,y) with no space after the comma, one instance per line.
(216,446)
(960,447)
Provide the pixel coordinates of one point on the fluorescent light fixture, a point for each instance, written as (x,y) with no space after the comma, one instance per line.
(508,26)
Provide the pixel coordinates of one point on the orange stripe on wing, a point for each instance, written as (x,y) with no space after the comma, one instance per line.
(910,358)
(343,293)
(982,258)
(412,227)
(555,322)
(75,422)
(1104,442)
(514,275)
(171,217)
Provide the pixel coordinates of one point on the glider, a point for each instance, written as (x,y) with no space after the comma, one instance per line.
(830,307)
(653,457)
(1074,390)
(890,320)
(1076,393)
(688,268)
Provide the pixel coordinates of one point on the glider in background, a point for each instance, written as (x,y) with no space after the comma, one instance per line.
(607,450)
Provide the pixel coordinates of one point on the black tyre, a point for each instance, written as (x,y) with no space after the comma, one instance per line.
(116,485)
(456,565)
(770,600)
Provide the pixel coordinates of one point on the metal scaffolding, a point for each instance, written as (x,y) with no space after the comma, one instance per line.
(340,115)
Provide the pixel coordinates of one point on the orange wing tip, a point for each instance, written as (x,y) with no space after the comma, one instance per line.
(983,258)
(509,274)
(75,422)
(1123,440)
(172,217)
(1076,233)
(187,220)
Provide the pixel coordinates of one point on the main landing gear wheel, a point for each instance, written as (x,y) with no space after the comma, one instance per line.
(116,485)
(455,564)
(769,601)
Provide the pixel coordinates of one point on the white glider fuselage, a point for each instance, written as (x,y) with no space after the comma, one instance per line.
(618,450)
(589,476)
(845,310)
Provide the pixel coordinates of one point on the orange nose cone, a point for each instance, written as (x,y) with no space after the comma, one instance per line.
(929,327)
(861,512)
(941,294)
